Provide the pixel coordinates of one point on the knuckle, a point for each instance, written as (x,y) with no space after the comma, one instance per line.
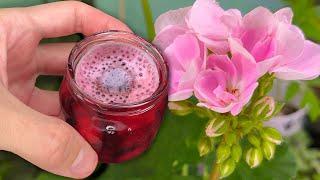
(80,11)
(57,150)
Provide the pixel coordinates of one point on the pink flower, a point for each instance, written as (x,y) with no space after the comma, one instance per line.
(278,46)
(182,50)
(185,56)
(228,84)
(213,25)
(206,19)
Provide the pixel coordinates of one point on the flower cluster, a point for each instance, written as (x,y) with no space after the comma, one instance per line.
(228,61)
(218,55)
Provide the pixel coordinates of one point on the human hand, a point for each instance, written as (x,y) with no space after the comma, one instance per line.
(30,125)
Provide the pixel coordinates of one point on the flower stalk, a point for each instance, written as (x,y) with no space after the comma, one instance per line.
(148,18)
(215,172)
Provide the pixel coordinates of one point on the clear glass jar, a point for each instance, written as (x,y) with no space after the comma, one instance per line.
(116,132)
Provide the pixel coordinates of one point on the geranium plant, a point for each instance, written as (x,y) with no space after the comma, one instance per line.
(227,62)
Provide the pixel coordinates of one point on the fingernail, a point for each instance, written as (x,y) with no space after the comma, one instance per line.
(85,162)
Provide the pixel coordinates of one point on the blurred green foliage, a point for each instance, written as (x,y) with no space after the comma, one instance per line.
(307,17)
(308,159)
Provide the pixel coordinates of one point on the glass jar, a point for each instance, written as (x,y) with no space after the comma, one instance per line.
(116,132)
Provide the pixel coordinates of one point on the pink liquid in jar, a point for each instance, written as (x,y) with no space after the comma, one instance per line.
(115,93)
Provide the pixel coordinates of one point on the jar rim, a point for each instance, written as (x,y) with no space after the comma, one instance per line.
(120,35)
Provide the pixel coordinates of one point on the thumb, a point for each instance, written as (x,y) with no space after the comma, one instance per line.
(47,142)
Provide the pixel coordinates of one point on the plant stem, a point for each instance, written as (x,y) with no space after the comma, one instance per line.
(214,175)
(122,10)
(148,18)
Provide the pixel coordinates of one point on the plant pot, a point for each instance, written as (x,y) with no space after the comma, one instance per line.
(292,118)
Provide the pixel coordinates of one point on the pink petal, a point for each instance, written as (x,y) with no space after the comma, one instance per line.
(290,41)
(247,94)
(244,99)
(238,50)
(189,76)
(181,95)
(267,65)
(186,48)
(244,63)
(219,109)
(284,15)
(216,46)
(258,23)
(259,17)
(263,49)
(174,78)
(223,63)
(305,67)
(206,83)
(218,61)
(204,16)
(173,62)
(233,19)
(167,36)
(223,95)
(236,109)
(183,51)
(173,17)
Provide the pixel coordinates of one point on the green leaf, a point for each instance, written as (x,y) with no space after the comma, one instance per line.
(48,176)
(10,164)
(306,16)
(312,102)
(292,90)
(281,167)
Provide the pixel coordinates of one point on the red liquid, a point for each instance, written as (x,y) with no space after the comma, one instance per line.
(119,130)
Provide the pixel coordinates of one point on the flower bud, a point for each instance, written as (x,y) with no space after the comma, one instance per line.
(227,168)
(236,152)
(216,127)
(265,107)
(204,146)
(180,108)
(254,140)
(223,152)
(200,111)
(265,84)
(268,149)
(231,139)
(254,157)
(272,135)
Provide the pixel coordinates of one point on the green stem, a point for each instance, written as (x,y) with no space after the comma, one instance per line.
(148,18)
(214,175)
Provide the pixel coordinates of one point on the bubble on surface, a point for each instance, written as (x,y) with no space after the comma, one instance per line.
(117,73)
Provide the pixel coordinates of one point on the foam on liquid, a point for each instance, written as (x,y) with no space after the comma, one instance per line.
(117,73)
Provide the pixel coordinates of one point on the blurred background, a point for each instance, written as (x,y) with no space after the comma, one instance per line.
(174,154)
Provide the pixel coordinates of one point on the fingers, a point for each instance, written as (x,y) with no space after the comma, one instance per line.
(52,59)
(69,17)
(45,141)
(46,102)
